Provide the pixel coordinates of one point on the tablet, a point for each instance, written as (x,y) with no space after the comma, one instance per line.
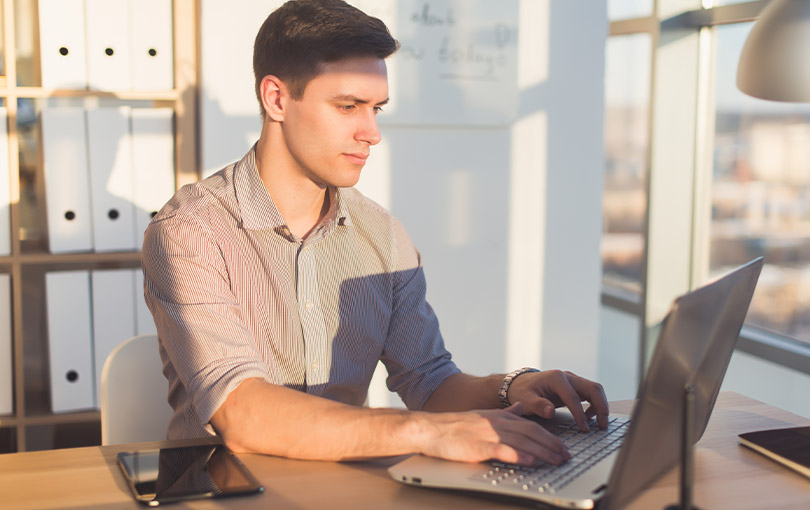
(789,446)
(189,472)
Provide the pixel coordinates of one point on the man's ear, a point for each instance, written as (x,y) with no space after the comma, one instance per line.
(274,97)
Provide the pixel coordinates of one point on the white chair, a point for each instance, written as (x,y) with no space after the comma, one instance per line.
(133,393)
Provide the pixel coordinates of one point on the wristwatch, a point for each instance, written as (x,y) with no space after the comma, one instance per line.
(503,391)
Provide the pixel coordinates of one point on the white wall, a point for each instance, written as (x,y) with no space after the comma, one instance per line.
(229,111)
(771,383)
(508,218)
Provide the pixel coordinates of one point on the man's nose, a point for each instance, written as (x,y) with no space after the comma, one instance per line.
(368,131)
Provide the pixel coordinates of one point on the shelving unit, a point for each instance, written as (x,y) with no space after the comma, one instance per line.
(28,260)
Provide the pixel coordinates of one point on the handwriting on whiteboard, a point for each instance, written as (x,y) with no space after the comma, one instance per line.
(457,62)
(459,58)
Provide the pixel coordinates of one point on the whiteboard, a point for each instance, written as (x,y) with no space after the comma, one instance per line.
(457,64)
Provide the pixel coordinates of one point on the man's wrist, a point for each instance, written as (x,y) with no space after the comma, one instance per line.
(506,383)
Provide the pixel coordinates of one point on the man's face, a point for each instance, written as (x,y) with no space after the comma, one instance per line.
(330,130)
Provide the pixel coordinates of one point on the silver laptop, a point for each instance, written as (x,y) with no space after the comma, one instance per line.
(611,467)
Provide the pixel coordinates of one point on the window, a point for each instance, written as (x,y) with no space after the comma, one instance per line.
(760,195)
(627,98)
(721,177)
(626,9)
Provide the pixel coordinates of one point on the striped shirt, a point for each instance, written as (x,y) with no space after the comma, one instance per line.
(235,295)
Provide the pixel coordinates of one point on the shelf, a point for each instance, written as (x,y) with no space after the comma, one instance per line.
(33,426)
(129,95)
(74,258)
(71,258)
(8,421)
(50,419)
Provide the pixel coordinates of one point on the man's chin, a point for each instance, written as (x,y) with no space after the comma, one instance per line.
(347,180)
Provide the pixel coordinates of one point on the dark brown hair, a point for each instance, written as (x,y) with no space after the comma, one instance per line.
(302,34)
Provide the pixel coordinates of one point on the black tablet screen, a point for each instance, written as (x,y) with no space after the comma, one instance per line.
(189,472)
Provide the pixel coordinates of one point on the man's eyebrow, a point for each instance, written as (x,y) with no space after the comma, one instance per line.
(354,99)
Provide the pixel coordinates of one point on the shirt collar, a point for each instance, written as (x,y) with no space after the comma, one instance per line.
(259,212)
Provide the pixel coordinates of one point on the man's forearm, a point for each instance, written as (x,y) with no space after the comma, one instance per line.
(264,418)
(462,392)
(259,417)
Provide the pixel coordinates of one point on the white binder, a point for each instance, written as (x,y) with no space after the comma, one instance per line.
(113,315)
(6,358)
(5,186)
(152,164)
(110,149)
(152,51)
(144,324)
(62,44)
(108,51)
(70,340)
(67,191)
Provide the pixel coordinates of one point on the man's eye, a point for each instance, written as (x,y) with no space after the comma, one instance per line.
(347,107)
(378,109)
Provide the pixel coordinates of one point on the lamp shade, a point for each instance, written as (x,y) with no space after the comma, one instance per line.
(775,60)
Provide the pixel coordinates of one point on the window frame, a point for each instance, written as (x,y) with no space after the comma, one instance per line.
(679,162)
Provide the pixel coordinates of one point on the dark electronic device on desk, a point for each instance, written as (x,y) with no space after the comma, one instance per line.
(189,472)
(789,447)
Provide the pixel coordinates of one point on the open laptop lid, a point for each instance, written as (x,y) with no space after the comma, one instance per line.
(695,346)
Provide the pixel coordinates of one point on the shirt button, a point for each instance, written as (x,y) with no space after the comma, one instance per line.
(308,305)
(315,365)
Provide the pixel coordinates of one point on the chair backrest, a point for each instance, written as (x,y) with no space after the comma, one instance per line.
(134,407)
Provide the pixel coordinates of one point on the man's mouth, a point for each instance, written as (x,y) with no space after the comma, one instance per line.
(358,158)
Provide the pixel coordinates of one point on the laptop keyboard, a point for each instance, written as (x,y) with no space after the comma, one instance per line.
(586,448)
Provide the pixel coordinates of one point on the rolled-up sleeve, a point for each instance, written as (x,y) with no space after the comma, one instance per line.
(414,354)
(203,337)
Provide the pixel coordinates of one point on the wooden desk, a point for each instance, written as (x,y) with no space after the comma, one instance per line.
(727,476)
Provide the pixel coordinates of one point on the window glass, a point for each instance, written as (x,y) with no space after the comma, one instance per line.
(629,9)
(627,97)
(761,193)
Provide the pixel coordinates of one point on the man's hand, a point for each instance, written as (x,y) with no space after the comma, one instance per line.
(477,436)
(542,392)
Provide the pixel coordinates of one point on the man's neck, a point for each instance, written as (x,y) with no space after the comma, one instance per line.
(301,202)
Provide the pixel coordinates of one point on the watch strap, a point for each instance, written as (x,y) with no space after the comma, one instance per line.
(503,390)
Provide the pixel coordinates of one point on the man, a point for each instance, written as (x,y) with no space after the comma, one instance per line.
(276,287)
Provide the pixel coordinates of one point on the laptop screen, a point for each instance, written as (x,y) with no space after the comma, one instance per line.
(695,346)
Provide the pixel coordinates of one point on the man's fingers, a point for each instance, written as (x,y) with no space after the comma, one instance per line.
(489,434)
(572,389)
(544,391)
(541,407)
(517,449)
(594,393)
(516,409)
(505,453)
(536,450)
(530,437)
(562,387)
